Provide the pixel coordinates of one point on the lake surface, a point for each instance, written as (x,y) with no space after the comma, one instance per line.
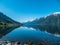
(24,34)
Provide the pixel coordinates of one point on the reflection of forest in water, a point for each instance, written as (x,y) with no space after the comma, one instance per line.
(4,29)
(25,35)
(49,28)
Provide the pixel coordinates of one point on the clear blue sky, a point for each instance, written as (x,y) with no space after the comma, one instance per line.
(24,10)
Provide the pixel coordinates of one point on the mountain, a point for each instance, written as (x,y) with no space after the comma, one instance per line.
(6,20)
(34,22)
(7,24)
(50,23)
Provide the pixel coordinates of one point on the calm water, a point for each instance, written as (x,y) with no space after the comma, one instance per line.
(24,34)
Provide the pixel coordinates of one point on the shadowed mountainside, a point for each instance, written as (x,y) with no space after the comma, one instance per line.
(7,24)
(50,23)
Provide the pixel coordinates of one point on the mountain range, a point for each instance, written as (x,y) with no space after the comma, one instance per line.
(50,23)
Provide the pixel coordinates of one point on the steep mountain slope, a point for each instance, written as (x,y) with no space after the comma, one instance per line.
(7,24)
(6,20)
(50,23)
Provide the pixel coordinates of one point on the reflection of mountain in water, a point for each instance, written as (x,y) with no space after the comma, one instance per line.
(50,23)
(4,31)
(7,24)
(25,35)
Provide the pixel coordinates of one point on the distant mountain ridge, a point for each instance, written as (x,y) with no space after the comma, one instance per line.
(50,23)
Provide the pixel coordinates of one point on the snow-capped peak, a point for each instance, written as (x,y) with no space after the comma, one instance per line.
(56,13)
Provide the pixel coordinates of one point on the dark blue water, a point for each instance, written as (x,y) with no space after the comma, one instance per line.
(24,34)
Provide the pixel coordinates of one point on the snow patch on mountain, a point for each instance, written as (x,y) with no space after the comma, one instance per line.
(56,13)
